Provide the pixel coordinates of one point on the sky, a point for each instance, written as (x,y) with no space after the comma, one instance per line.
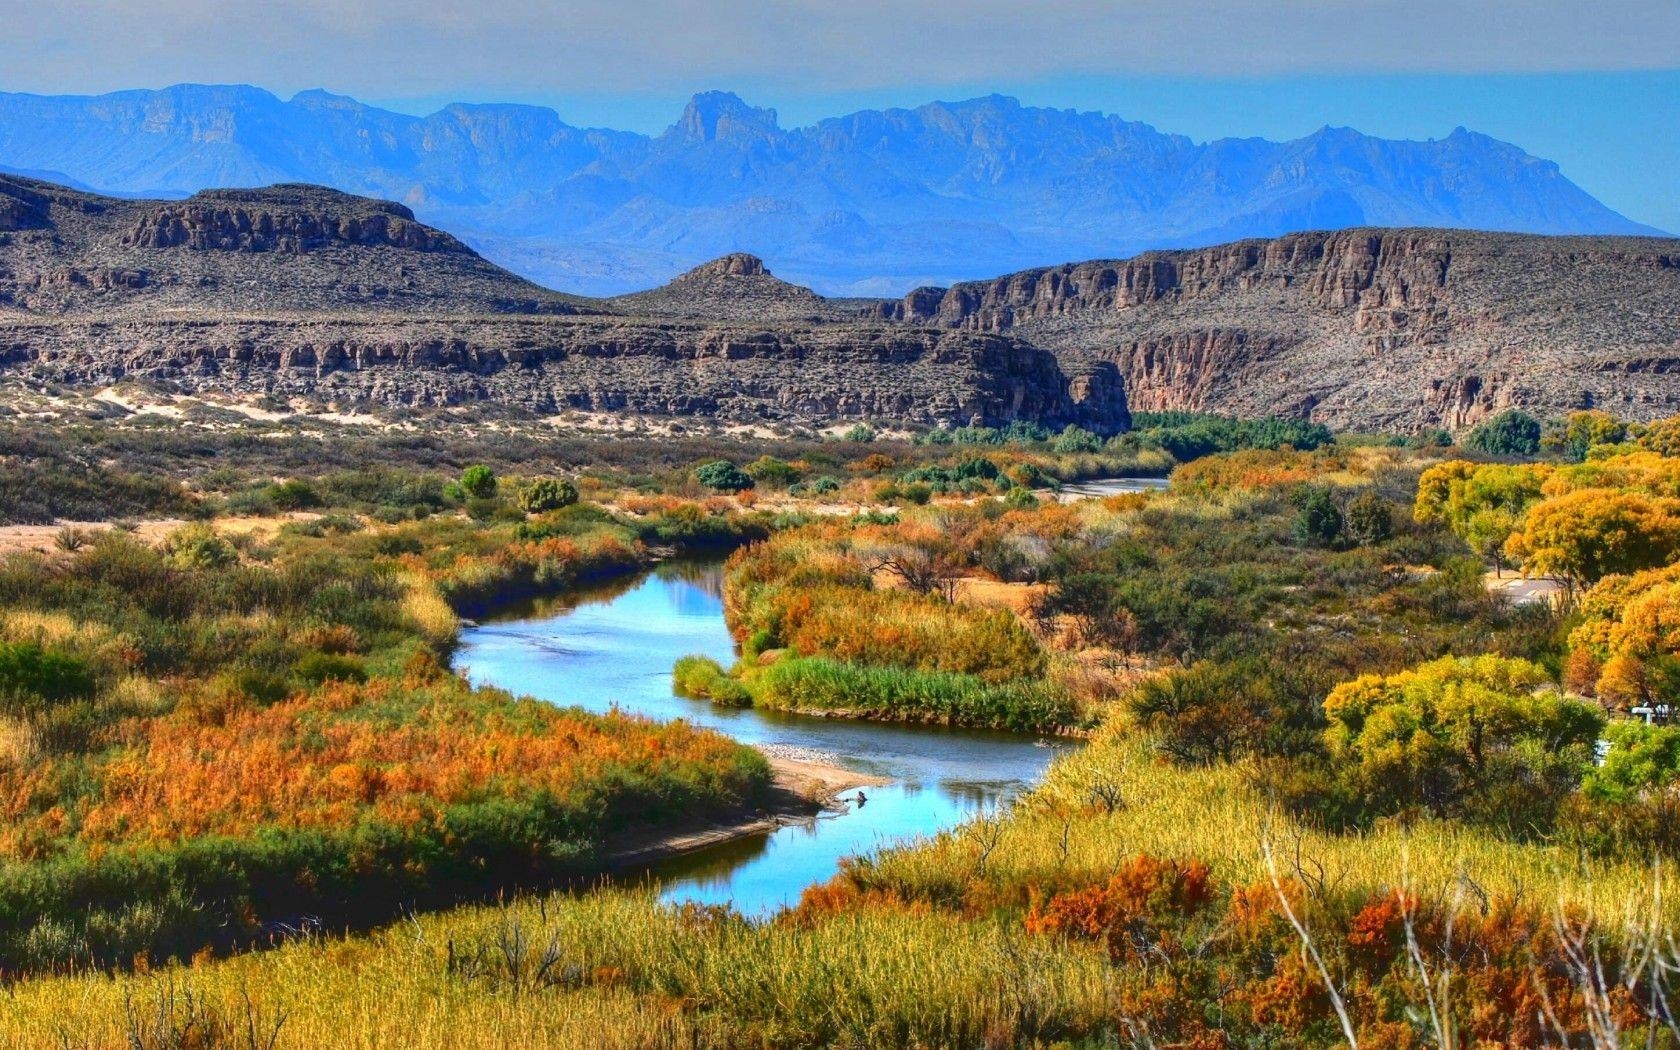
(1594,86)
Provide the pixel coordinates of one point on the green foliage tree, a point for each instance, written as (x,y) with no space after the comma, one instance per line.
(1488,531)
(1190,435)
(1370,519)
(546,494)
(1512,432)
(1073,440)
(478,481)
(1460,734)
(720,475)
(1642,759)
(863,433)
(1318,521)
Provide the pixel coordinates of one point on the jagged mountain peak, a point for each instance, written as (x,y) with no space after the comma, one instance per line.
(722,115)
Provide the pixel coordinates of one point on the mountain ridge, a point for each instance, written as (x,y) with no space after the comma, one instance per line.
(306,291)
(876,201)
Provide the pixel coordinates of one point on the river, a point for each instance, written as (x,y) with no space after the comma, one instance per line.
(614,647)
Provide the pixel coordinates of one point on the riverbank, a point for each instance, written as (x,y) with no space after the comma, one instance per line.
(805,784)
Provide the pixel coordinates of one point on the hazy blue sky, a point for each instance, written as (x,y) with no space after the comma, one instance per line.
(1592,85)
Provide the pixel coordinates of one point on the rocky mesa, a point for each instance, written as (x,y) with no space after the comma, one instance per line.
(300,290)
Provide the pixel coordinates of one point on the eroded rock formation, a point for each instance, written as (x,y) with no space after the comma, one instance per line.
(302,290)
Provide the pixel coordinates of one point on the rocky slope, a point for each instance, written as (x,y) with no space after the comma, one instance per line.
(298,290)
(284,248)
(1389,328)
(302,291)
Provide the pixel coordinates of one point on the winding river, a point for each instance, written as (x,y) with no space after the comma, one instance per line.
(614,647)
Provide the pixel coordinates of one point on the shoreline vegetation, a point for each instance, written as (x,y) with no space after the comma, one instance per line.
(1336,793)
(802,788)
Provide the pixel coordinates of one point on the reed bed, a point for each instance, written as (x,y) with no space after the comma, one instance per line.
(614,969)
(1116,799)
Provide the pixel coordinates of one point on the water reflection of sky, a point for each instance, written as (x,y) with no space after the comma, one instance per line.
(615,647)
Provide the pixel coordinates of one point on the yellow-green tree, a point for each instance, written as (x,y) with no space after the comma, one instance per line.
(1583,430)
(1441,734)
(1582,536)
(1483,504)
(1662,436)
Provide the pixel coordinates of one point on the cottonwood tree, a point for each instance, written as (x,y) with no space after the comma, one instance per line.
(1582,536)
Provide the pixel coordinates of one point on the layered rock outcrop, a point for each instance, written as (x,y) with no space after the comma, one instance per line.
(296,290)
(287,219)
(1389,328)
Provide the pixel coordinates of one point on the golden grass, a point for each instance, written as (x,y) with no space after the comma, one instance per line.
(52,629)
(630,973)
(18,746)
(1216,815)
(427,609)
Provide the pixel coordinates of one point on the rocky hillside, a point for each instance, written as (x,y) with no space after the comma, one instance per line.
(299,290)
(1390,328)
(302,291)
(283,248)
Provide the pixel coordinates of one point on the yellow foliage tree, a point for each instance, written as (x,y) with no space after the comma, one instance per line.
(1626,649)
(1582,536)
(1483,504)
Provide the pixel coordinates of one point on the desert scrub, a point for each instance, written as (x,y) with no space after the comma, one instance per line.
(897,694)
(330,804)
(703,678)
(193,748)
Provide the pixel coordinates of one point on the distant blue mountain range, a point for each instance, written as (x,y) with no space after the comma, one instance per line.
(871,203)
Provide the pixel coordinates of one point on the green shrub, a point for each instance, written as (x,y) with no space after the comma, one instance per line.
(315,668)
(478,481)
(1318,522)
(27,668)
(721,475)
(198,547)
(768,470)
(1369,519)
(293,495)
(702,678)
(545,494)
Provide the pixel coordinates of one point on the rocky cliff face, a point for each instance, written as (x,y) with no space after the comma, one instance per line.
(1393,328)
(295,290)
(300,290)
(287,219)
(794,376)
